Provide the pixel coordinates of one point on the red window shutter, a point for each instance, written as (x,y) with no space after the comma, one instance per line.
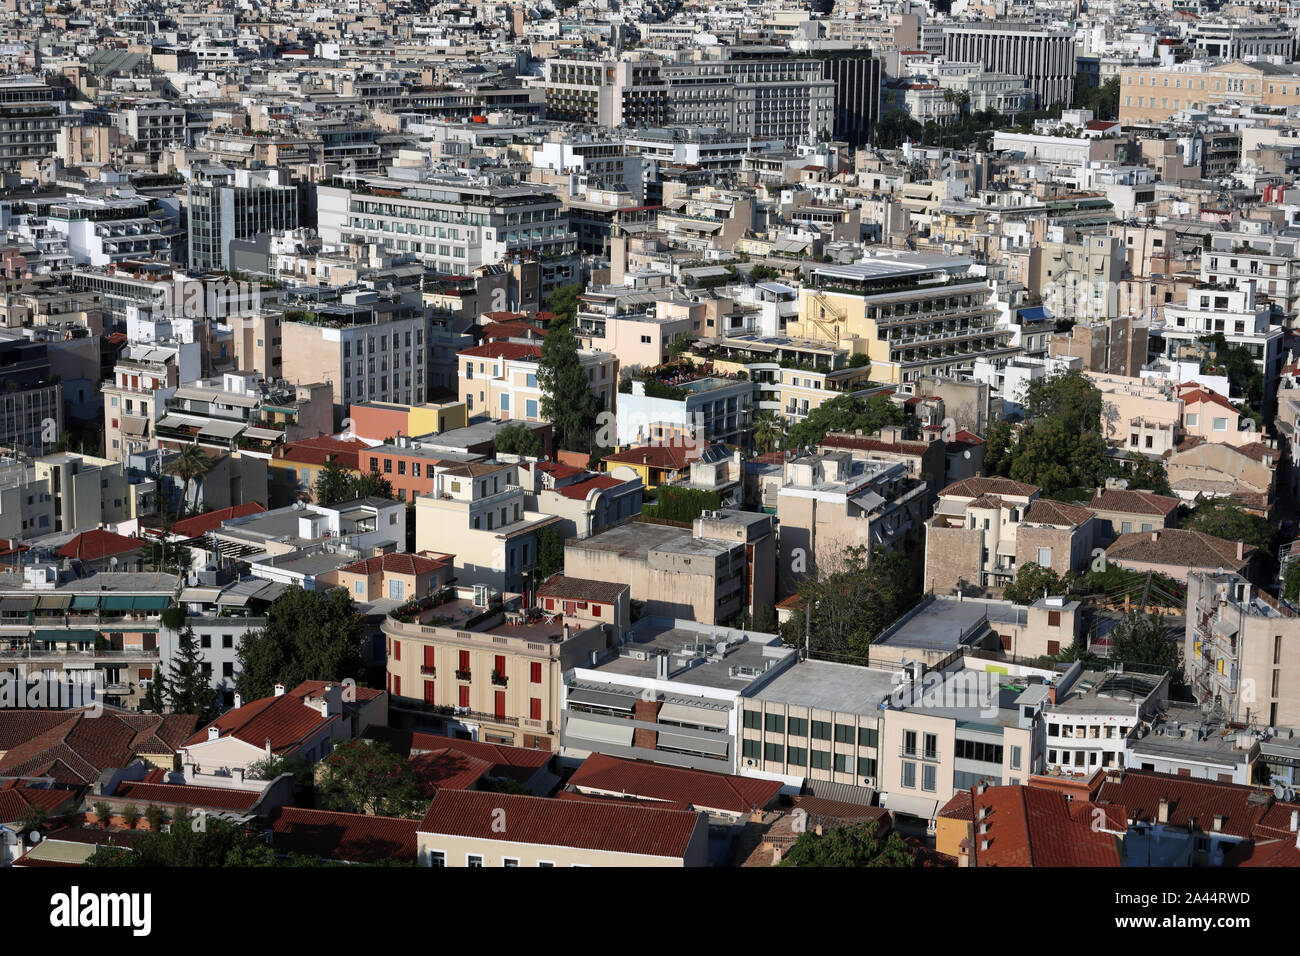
(390,683)
(1053,618)
(464,696)
(464,660)
(595,610)
(536,672)
(428,692)
(430,656)
(535,708)
(550,604)
(500,703)
(501,664)
(397,650)
(568,607)
(397,685)
(1053,647)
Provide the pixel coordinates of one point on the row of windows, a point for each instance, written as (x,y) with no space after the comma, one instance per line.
(820,729)
(802,757)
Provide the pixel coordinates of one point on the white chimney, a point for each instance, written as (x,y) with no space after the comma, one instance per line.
(239,700)
(1295,821)
(279,690)
(214,732)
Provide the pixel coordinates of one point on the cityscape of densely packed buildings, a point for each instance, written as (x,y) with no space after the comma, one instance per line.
(702,434)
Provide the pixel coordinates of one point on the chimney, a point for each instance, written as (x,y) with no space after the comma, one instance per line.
(566,630)
(279,690)
(1051,694)
(189,770)
(239,700)
(1241,550)
(269,753)
(1155,535)
(1218,823)
(214,732)
(1162,813)
(1295,821)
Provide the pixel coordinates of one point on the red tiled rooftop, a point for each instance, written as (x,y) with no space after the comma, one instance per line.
(700,788)
(207,798)
(97,543)
(511,351)
(200,525)
(349,837)
(398,562)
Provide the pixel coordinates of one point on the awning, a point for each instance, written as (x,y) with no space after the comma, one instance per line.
(152,602)
(600,698)
(199,595)
(698,716)
(70,635)
(697,745)
(596,732)
(117,602)
(52,602)
(919,807)
(233,599)
(85,602)
(134,427)
(17,604)
(221,429)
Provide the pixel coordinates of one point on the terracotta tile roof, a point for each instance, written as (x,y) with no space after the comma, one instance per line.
(73,748)
(350,837)
(398,562)
(1045,511)
(317,451)
(1199,394)
(449,768)
(700,788)
(869,443)
(975,487)
(960,807)
(1026,826)
(1265,853)
(579,490)
(612,826)
(175,794)
(1180,548)
(1200,800)
(1133,502)
(519,763)
(98,543)
(16,801)
(494,331)
(581,589)
(608,798)
(284,721)
(510,351)
(670,456)
(200,525)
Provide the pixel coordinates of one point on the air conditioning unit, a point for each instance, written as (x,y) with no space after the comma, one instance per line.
(751,762)
(868,781)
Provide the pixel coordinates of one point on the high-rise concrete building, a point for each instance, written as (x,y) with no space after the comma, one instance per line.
(1042,55)
(227,204)
(857,77)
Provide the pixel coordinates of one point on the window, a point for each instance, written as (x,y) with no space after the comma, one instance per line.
(821,730)
(843,734)
(535,672)
(750,749)
(530,408)
(798,727)
(931,746)
(929,777)
(775,723)
(867,737)
(1220,424)
(977,750)
(797,756)
(509,861)
(1044,557)
(473,859)
(545,863)
(1015,757)
(843,763)
(909,742)
(205,641)
(437,858)
(821,760)
(909,775)
(774,752)
(866,767)
(753,720)
(396,590)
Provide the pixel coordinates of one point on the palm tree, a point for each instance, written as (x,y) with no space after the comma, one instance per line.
(190,465)
(768,432)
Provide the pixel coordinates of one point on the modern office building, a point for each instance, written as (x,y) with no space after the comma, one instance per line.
(227,204)
(1043,55)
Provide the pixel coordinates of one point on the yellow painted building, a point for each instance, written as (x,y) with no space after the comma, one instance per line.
(1154,94)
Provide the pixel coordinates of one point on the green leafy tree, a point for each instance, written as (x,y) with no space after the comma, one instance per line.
(155,816)
(303,770)
(362,777)
(130,815)
(189,466)
(103,812)
(155,695)
(563,302)
(1030,583)
(682,504)
(1150,475)
(769,429)
(189,690)
(217,843)
(568,402)
(332,483)
(855,596)
(844,413)
(550,553)
(860,845)
(1224,519)
(309,635)
(895,128)
(1291,581)
(518,439)
(1144,639)
(33,820)
(371,485)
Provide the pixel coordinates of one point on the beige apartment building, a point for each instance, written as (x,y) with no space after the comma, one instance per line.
(1117,345)
(984,529)
(474,829)
(1242,649)
(488,665)
(1136,416)
(499,379)
(1151,95)
(258,343)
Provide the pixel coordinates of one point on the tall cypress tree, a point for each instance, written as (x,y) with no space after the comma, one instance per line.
(568,402)
(188,688)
